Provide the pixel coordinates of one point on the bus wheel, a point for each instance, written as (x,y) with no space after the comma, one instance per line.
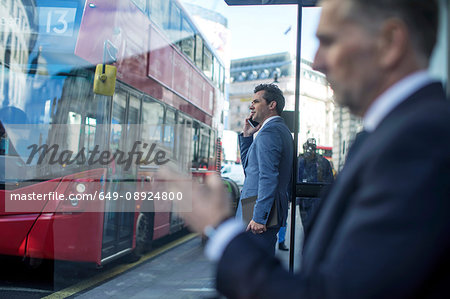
(144,235)
(233,192)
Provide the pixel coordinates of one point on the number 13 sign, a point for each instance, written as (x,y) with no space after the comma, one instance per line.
(56,20)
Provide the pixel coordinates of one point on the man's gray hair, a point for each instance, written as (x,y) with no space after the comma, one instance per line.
(420,16)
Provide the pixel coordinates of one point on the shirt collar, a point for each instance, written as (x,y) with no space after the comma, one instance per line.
(264,123)
(269,119)
(393,96)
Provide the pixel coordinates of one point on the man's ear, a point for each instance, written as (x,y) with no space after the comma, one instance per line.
(393,42)
(273,105)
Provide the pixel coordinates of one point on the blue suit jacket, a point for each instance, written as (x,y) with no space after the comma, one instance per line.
(267,162)
(382,230)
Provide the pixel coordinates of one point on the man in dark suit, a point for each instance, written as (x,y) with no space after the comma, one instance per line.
(312,168)
(383,228)
(266,155)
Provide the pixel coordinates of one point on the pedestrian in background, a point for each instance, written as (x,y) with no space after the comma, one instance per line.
(312,168)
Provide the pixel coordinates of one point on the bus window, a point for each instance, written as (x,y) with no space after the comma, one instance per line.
(222,78)
(169,131)
(216,72)
(159,12)
(118,227)
(133,121)
(183,142)
(118,120)
(152,121)
(195,144)
(207,62)
(84,113)
(72,141)
(199,51)
(187,39)
(90,126)
(133,110)
(212,146)
(62,111)
(200,146)
(204,149)
(174,30)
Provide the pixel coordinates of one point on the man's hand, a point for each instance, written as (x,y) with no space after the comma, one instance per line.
(202,204)
(248,130)
(256,228)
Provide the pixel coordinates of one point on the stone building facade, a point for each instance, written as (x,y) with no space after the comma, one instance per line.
(316,104)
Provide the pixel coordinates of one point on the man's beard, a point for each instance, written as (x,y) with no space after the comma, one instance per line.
(346,99)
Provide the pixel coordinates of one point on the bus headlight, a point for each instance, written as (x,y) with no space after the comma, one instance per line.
(80,188)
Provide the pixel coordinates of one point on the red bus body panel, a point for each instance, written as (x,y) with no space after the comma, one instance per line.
(15,225)
(61,231)
(13,232)
(74,237)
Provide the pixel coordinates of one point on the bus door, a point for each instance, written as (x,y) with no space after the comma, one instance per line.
(119,217)
(153,114)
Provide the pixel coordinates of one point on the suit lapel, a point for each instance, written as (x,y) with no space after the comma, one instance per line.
(250,149)
(333,208)
(338,198)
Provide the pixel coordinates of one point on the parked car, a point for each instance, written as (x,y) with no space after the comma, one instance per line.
(234,172)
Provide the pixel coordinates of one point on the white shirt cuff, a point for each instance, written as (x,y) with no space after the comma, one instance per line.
(221,237)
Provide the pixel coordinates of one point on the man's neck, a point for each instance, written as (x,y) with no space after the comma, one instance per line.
(390,80)
(269,116)
(393,96)
(408,64)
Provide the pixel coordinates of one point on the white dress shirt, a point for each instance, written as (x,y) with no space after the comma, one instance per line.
(263,124)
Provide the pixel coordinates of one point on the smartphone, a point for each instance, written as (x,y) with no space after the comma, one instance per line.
(253,123)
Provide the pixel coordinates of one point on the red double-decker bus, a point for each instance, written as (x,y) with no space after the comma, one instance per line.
(55,131)
(326,151)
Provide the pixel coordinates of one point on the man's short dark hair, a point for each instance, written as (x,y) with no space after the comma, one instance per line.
(421,17)
(272,93)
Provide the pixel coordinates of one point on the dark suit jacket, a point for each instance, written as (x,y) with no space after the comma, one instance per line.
(383,230)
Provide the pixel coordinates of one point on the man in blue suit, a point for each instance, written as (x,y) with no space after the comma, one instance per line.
(266,155)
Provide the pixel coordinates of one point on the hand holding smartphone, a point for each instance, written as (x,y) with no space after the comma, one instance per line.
(253,123)
(250,126)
